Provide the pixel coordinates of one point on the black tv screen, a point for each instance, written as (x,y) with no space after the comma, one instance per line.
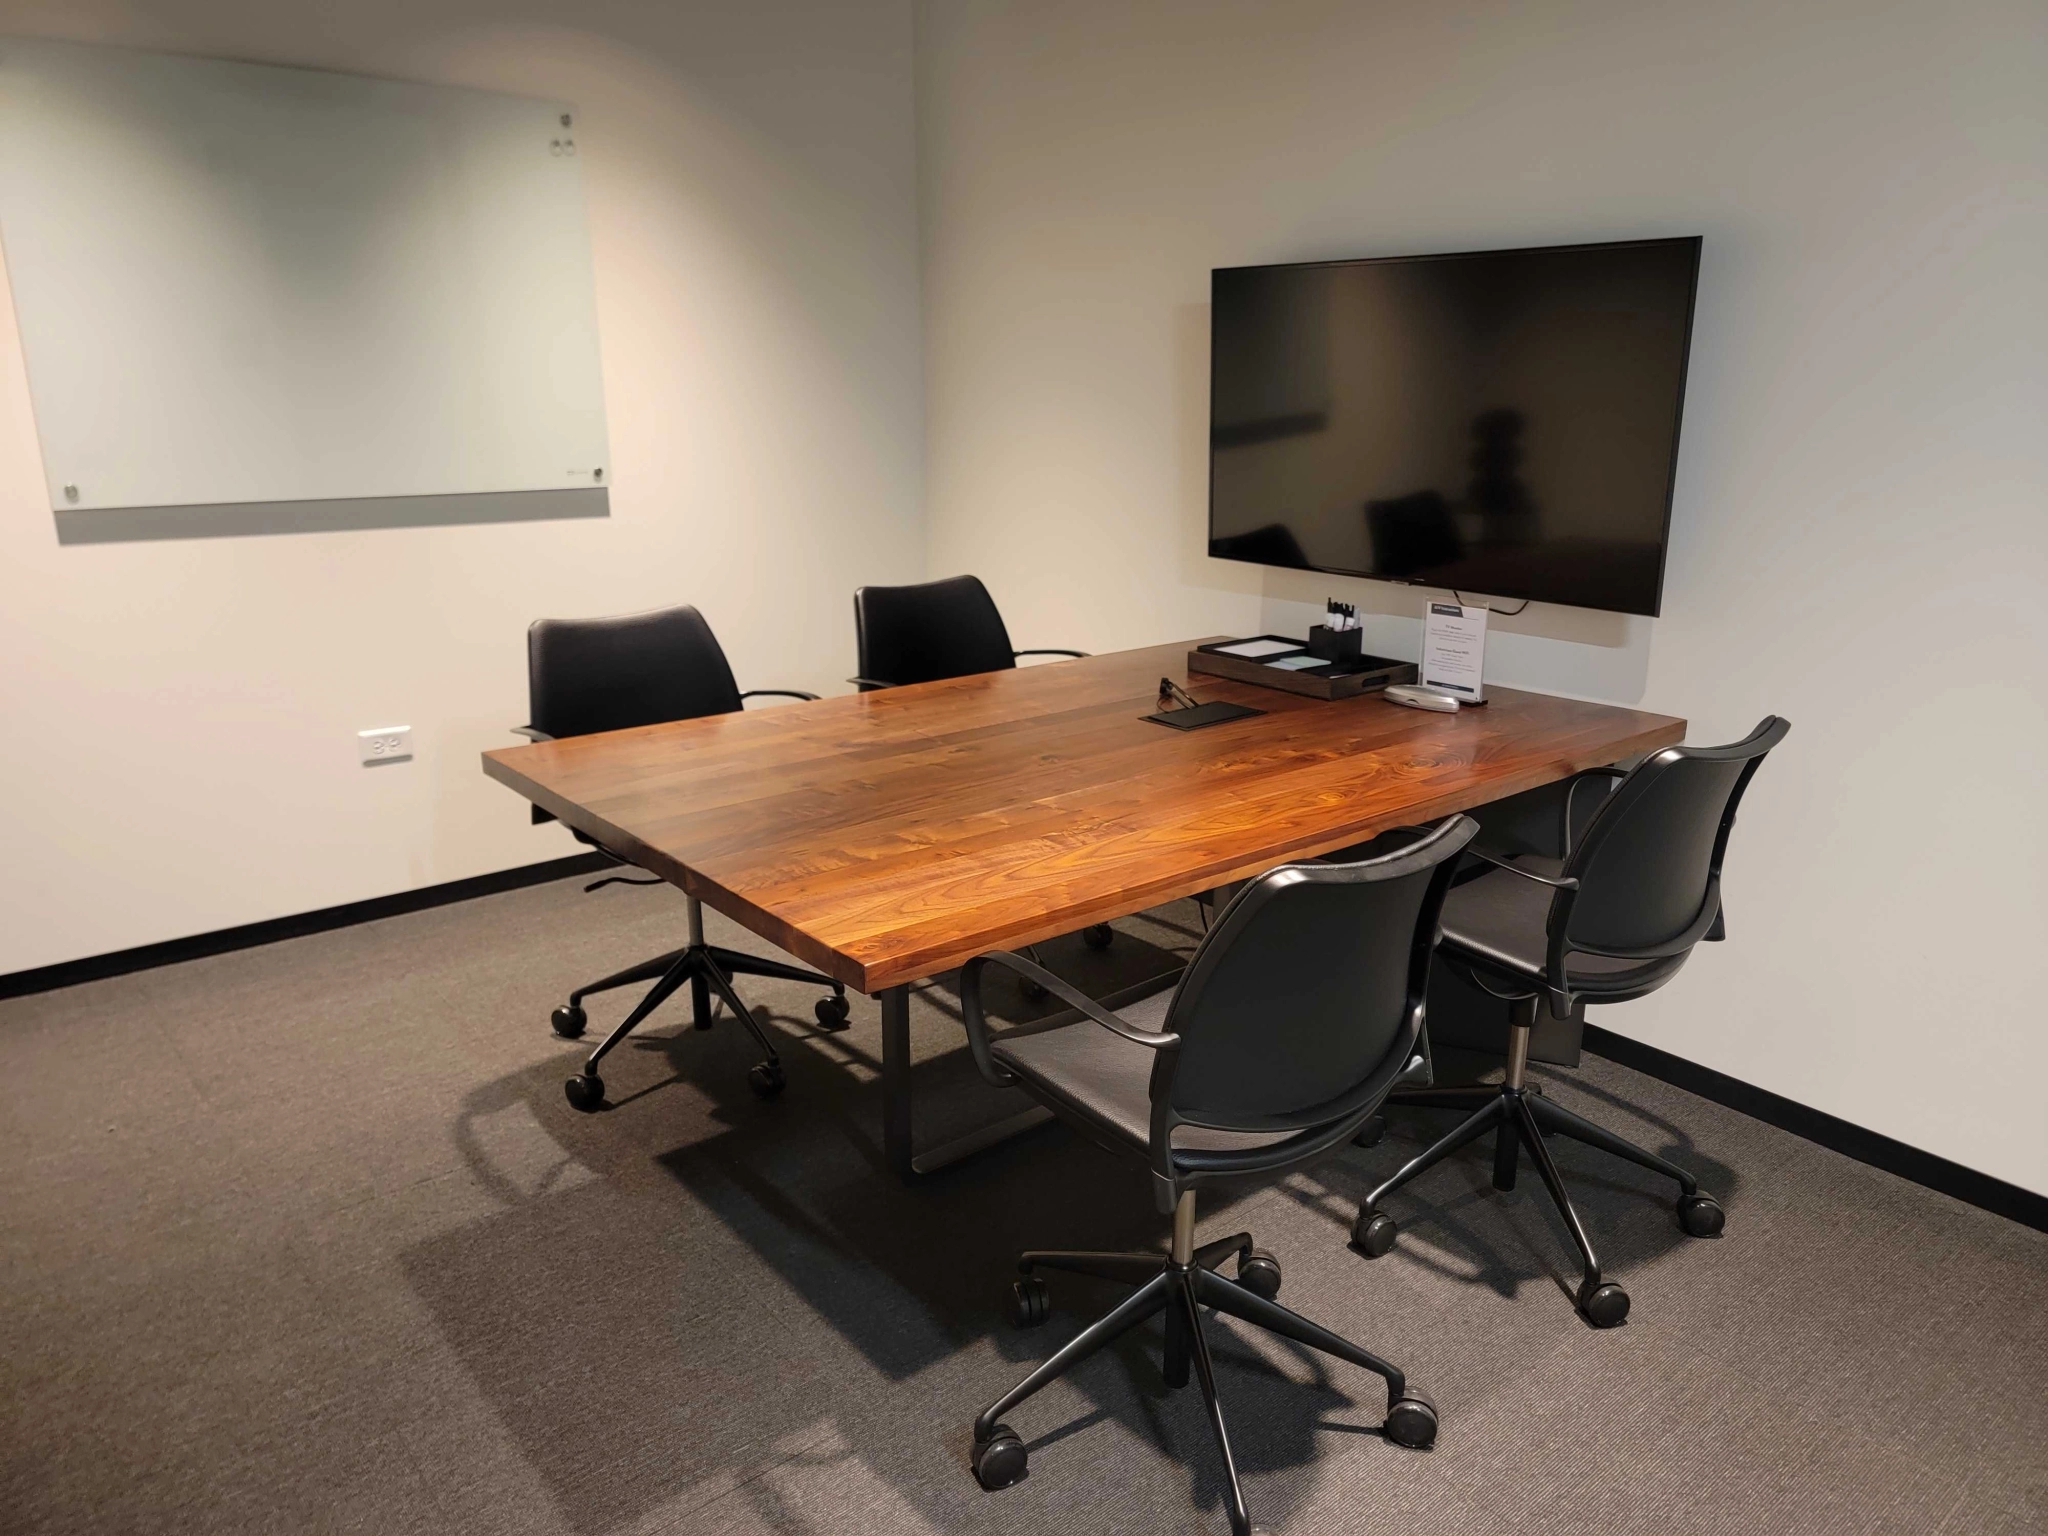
(1499,422)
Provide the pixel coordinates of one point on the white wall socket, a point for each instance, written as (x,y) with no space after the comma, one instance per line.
(385,744)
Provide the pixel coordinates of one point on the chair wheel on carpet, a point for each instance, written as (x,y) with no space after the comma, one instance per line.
(1259,1272)
(832,1013)
(1030,1302)
(766,1079)
(1605,1306)
(1098,935)
(999,1460)
(585,1091)
(1411,1421)
(1701,1215)
(1372,1133)
(1374,1235)
(569,1021)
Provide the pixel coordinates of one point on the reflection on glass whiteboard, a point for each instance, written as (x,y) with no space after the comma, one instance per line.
(1257,648)
(239,284)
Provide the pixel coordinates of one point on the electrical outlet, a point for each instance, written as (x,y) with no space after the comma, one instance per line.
(385,744)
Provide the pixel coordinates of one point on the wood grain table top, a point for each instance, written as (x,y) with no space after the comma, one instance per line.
(886,837)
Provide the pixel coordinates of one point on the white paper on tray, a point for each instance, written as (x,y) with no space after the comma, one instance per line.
(1257,648)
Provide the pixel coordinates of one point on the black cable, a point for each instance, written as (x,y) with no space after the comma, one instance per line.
(1506,613)
(598,885)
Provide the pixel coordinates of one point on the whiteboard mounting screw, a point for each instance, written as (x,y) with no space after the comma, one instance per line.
(71,493)
(565,119)
(598,473)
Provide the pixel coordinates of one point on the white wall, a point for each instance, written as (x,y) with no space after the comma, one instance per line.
(180,717)
(1858,537)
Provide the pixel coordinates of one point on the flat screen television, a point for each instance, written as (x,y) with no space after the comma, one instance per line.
(1497,422)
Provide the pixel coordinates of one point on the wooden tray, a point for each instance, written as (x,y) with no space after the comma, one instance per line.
(1328,680)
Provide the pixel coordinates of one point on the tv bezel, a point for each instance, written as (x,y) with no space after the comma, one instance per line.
(1656,607)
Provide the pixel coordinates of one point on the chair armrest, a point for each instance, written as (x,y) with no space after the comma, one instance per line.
(1565,839)
(1015,654)
(976,1019)
(1516,869)
(868,684)
(530,733)
(776,693)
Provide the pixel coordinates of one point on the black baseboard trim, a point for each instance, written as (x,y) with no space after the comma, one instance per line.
(1924,1168)
(70,973)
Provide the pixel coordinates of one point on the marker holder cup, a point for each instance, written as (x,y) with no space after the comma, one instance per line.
(1335,644)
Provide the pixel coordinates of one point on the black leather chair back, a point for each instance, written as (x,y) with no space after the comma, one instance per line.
(936,629)
(586,675)
(1649,864)
(1305,1000)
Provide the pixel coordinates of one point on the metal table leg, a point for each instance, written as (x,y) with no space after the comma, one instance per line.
(898,1121)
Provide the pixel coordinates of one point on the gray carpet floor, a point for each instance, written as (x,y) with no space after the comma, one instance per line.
(306,1239)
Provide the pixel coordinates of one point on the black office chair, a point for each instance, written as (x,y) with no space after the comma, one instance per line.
(589,675)
(1610,922)
(936,630)
(1300,1009)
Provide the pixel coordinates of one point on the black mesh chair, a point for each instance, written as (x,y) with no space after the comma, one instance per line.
(1299,1011)
(936,630)
(589,675)
(1611,921)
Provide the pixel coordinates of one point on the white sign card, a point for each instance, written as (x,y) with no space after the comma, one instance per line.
(1454,650)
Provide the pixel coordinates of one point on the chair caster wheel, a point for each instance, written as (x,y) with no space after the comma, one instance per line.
(585,1091)
(766,1079)
(1374,1235)
(1701,1216)
(999,1460)
(1259,1272)
(1604,1306)
(1030,1302)
(832,1013)
(1098,935)
(1372,1133)
(569,1021)
(1411,1421)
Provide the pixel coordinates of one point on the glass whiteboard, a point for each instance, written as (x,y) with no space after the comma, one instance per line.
(247,286)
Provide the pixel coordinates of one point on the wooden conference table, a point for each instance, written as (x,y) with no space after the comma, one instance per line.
(888,837)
